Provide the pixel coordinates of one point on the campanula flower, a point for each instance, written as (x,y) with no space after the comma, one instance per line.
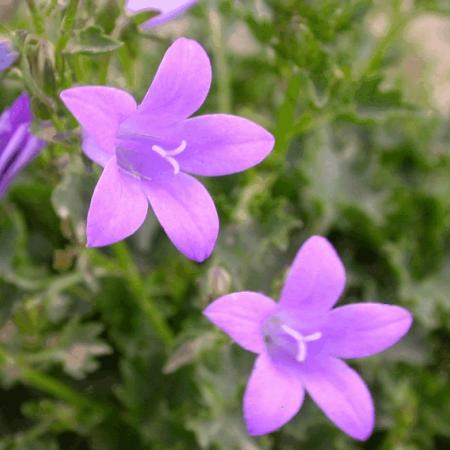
(18,146)
(300,342)
(7,55)
(147,152)
(167,9)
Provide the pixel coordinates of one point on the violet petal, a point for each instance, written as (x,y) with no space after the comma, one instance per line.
(241,316)
(341,394)
(178,90)
(316,278)
(99,110)
(364,329)
(221,144)
(187,213)
(274,395)
(118,207)
(168,9)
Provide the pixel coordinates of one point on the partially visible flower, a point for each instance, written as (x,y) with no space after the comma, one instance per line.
(18,146)
(300,342)
(167,9)
(147,152)
(7,55)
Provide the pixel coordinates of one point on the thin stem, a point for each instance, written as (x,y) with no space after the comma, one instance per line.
(38,21)
(137,287)
(220,60)
(398,24)
(286,115)
(51,385)
(65,32)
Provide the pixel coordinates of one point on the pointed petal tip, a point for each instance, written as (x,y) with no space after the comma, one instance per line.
(200,258)
(363,433)
(258,430)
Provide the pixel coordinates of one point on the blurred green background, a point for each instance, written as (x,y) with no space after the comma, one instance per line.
(357,93)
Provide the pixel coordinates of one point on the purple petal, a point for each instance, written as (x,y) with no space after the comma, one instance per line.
(118,207)
(364,329)
(341,394)
(178,90)
(7,55)
(17,114)
(316,279)
(99,110)
(241,316)
(273,396)
(221,144)
(17,144)
(94,152)
(187,213)
(169,9)
(21,149)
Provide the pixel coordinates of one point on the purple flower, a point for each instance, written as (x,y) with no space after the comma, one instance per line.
(300,342)
(168,9)
(17,145)
(148,150)
(7,55)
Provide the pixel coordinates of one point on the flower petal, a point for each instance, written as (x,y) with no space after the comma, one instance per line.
(186,212)
(7,55)
(178,90)
(221,144)
(169,9)
(341,394)
(273,396)
(118,207)
(99,110)
(364,329)
(21,149)
(241,316)
(94,152)
(316,279)
(11,118)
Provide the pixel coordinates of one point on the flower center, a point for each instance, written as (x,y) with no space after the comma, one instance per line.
(169,154)
(301,340)
(146,158)
(283,339)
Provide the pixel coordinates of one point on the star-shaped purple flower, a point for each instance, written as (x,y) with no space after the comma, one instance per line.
(300,342)
(148,150)
(168,9)
(7,55)
(17,145)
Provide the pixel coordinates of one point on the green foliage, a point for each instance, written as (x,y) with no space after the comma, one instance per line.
(107,349)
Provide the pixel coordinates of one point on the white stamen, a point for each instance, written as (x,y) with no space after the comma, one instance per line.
(168,154)
(313,337)
(180,149)
(301,340)
(175,165)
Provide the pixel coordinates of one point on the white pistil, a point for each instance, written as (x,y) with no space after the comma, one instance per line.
(301,340)
(168,154)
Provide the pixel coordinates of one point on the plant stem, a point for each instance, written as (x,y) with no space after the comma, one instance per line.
(137,287)
(51,385)
(64,36)
(38,22)
(286,115)
(220,59)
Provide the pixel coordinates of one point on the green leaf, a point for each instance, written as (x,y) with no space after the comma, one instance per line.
(92,40)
